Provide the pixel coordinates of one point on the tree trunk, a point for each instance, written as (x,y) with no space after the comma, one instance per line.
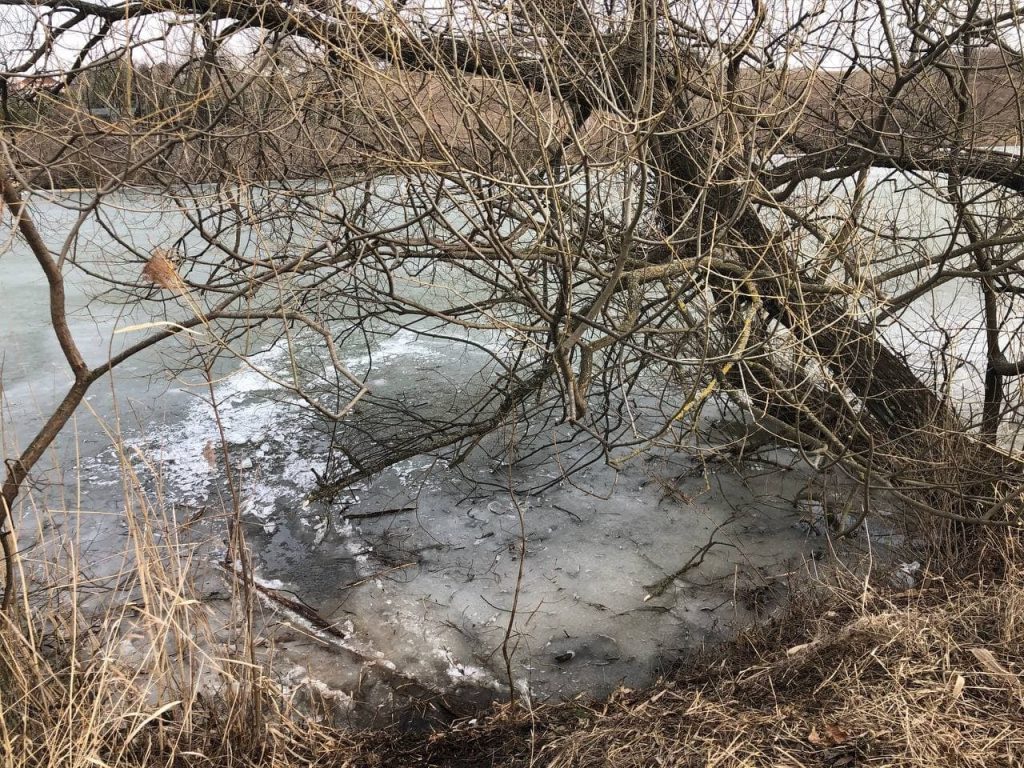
(895,421)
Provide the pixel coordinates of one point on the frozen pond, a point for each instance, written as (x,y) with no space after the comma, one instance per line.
(419,572)
(418,567)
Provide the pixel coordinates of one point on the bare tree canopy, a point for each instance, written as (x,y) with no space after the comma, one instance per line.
(812,210)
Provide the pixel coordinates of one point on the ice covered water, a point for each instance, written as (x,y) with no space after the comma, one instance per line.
(421,567)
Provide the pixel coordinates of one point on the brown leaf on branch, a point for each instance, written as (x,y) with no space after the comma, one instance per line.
(162,270)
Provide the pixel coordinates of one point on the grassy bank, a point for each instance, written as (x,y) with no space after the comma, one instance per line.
(855,674)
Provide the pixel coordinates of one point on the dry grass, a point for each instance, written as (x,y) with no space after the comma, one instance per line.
(117,663)
(907,682)
(853,675)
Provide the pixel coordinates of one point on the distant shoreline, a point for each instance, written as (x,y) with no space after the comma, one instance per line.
(156,189)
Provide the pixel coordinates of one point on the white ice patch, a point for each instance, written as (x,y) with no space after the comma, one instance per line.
(459,672)
(404,343)
(270,457)
(268,583)
(297,678)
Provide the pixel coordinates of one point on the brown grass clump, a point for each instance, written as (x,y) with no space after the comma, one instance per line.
(127,670)
(908,682)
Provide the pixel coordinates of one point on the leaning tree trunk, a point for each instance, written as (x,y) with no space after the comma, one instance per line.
(901,432)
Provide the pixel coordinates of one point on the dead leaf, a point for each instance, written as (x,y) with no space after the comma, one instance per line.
(161,269)
(836,734)
(210,454)
(833,736)
(958,687)
(799,649)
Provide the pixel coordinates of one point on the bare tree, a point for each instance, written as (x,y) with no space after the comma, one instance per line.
(645,204)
